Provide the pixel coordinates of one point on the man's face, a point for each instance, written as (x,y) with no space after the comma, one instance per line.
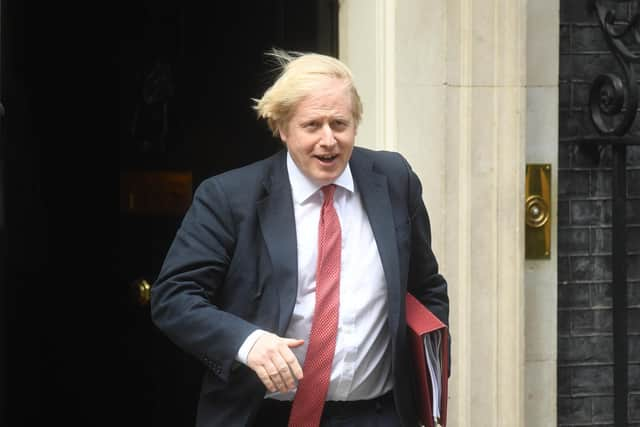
(321,132)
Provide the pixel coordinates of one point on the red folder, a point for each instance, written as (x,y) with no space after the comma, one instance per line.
(422,322)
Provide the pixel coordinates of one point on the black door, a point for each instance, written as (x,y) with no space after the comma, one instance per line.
(188,74)
(164,92)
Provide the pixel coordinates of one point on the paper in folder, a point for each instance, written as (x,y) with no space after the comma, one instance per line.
(429,342)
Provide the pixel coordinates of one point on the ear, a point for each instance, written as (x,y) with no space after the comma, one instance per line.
(282,134)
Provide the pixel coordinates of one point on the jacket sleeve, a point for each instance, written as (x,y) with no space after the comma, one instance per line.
(193,270)
(425,281)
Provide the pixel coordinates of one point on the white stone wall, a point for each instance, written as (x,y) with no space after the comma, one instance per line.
(466,89)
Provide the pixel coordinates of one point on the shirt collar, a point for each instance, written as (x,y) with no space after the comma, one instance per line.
(302,187)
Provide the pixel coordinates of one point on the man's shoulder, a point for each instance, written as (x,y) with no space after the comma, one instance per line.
(386,162)
(255,171)
(248,180)
(400,177)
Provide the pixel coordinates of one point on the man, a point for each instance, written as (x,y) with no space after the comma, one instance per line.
(288,277)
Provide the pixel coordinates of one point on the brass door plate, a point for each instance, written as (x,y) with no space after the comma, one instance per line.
(538,211)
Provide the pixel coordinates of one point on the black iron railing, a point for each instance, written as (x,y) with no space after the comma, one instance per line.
(613,106)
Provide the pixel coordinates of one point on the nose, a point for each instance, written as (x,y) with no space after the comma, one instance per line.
(328,138)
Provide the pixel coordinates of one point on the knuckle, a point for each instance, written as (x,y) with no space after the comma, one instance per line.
(258,360)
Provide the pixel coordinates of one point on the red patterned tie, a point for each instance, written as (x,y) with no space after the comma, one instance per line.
(306,409)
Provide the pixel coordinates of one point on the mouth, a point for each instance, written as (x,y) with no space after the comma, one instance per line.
(326,158)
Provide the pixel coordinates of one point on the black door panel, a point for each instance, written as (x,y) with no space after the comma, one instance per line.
(90,208)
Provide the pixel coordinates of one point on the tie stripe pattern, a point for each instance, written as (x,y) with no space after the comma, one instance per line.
(306,410)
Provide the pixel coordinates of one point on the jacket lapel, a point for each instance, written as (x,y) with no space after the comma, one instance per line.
(277,222)
(375,199)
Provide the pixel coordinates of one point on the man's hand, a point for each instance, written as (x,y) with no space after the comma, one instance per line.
(274,362)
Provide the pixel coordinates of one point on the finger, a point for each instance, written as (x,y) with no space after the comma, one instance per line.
(292,362)
(285,371)
(292,343)
(274,374)
(266,380)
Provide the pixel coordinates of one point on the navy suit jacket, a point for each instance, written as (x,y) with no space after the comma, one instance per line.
(232,268)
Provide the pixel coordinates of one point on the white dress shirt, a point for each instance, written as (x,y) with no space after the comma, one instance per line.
(362,362)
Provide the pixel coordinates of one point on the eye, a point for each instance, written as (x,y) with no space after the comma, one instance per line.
(339,124)
(312,125)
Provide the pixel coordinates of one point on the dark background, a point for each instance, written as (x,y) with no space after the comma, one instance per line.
(76,348)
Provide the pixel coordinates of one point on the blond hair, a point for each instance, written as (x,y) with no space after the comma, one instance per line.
(300,75)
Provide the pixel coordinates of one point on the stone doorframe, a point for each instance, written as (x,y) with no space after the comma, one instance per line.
(468,91)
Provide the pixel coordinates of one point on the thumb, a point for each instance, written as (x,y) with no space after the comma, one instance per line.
(292,343)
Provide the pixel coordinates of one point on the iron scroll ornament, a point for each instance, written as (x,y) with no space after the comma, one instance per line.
(613,102)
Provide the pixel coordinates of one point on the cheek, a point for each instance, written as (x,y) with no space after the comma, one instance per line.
(299,146)
(347,141)
(305,143)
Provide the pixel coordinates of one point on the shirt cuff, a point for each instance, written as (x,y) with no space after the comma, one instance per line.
(247,345)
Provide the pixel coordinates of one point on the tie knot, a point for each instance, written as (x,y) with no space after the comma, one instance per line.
(328,191)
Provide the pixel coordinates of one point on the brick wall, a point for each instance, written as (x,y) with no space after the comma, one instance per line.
(585,338)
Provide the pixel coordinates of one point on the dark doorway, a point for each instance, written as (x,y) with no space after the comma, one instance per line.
(188,74)
(81,348)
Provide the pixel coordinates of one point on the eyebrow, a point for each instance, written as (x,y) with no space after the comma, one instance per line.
(312,117)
